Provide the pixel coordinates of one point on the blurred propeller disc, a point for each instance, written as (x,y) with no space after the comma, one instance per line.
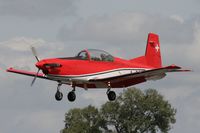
(34,53)
(35,77)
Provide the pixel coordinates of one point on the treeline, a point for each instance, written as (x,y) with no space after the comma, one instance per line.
(134,111)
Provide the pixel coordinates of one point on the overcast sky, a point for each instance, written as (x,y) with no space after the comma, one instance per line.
(64,27)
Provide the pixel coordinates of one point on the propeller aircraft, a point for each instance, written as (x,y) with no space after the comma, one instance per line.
(92,68)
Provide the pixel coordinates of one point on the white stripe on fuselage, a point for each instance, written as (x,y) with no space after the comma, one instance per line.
(98,75)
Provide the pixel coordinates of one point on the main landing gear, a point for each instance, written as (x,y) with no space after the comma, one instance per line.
(111,94)
(59,95)
(71,95)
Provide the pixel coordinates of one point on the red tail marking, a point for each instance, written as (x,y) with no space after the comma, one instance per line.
(153,54)
(152,57)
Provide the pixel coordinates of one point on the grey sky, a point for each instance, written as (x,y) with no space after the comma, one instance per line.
(40,9)
(64,27)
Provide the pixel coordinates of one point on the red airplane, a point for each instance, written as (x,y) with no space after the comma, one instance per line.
(93,68)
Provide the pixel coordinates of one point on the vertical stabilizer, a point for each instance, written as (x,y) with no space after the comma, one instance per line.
(153,54)
(152,57)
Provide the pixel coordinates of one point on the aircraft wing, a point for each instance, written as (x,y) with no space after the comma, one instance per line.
(27,73)
(152,74)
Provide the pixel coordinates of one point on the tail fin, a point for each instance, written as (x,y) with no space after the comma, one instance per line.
(153,54)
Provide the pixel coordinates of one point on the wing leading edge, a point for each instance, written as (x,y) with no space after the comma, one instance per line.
(27,73)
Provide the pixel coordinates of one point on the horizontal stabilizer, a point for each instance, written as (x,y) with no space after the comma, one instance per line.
(174,68)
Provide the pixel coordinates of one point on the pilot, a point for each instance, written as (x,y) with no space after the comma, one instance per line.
(103,57)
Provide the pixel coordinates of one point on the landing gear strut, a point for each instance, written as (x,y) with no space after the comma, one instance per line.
(71,95)
(58,95)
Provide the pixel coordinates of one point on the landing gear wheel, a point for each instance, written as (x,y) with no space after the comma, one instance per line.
(58,96)
(111,95)
(71,96)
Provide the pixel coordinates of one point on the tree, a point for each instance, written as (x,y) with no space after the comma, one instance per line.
(134,111)
(86,120)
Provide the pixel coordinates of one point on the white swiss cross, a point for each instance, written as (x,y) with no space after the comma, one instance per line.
(157,48)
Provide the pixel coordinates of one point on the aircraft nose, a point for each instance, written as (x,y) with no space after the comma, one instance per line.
(40,64)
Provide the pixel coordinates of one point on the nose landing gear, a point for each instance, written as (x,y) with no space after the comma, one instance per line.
(58,95)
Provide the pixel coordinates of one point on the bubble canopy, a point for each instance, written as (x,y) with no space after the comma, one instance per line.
(95,55)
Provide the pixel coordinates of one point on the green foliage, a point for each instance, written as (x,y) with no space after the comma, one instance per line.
(86,120)
(134,111)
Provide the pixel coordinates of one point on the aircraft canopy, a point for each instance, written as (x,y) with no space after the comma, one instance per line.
(95,55)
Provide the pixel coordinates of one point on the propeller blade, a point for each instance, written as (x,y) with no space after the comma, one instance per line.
(35,78)
(34,53)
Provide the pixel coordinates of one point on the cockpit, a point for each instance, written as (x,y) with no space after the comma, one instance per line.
(95,55)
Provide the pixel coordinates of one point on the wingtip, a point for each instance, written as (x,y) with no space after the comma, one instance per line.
(9,69)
